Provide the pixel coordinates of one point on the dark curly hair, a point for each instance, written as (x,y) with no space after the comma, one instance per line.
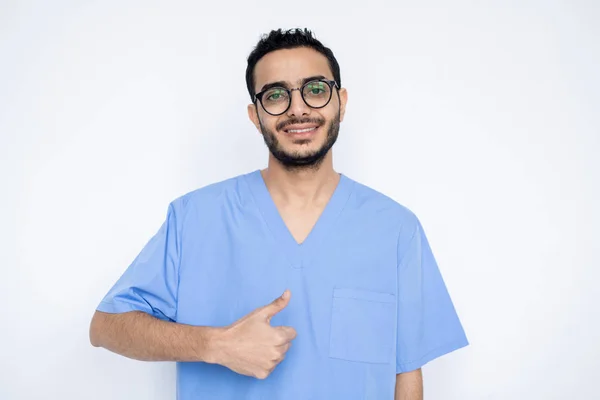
(288,39)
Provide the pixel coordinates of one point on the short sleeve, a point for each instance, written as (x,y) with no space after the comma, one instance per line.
(428,325)
(150,282)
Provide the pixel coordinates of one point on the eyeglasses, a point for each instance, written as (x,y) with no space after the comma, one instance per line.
(277,100)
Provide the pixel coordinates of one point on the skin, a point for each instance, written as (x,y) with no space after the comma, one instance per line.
(301,180)
(409,385)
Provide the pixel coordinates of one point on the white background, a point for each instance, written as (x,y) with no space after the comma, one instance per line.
(481,117)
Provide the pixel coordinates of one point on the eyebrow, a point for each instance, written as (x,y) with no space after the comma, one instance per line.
(284,84)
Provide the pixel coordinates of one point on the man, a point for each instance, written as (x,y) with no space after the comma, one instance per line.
(360,304)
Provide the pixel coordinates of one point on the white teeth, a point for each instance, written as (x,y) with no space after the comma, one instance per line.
(301,130)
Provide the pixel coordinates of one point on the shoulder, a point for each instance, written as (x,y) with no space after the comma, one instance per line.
(368,202)
(208,197)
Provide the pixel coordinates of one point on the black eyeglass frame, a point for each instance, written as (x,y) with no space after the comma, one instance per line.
(331,83)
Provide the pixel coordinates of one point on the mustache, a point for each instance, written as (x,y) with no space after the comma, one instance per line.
(294,121)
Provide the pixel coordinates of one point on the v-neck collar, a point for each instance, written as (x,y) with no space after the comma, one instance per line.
(297,254)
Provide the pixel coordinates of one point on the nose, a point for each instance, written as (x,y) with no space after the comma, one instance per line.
(298,107)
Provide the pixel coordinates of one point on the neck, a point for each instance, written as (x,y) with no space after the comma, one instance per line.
(301,187)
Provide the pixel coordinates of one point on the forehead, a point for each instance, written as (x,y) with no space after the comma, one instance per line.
(290,65)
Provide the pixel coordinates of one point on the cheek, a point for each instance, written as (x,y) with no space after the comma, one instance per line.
(331,111)
(267,121)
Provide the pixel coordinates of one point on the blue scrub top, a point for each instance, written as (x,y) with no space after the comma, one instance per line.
(368,300)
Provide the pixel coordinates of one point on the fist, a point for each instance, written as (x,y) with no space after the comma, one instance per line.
(251,346)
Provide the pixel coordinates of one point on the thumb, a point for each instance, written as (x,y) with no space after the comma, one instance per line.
(277,305)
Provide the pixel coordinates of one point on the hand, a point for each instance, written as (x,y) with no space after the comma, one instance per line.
(251,346)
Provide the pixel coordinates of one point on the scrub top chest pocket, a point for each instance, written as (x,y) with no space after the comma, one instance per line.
(362,326)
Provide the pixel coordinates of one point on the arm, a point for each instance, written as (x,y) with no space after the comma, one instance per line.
(137,316)
(409,385)
(428,326)
(143,337)
(249,346)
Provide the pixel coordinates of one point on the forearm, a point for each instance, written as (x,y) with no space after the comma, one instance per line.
(140,336)
(409,386)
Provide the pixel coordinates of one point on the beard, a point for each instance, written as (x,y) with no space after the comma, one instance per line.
(296,161)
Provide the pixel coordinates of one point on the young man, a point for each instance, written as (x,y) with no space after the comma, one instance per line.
(360,304)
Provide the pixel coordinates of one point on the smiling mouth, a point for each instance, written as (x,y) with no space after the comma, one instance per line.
(305,130)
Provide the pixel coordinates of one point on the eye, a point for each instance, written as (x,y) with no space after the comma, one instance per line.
(316,88)
(275,94)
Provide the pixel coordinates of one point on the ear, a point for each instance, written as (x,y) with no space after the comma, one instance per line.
(252,114)
(343,93)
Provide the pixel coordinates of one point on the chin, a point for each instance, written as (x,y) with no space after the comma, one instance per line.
(303,147)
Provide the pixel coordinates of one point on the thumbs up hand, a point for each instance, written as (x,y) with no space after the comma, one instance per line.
(251,346)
